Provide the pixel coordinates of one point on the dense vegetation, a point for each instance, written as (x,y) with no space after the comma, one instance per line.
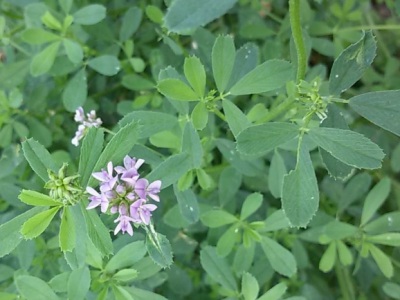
(186,149)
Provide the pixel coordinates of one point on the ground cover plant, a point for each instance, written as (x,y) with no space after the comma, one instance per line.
(185,149)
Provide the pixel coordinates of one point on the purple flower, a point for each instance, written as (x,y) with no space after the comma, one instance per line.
(97,199)
(125,193)
(106,177)
(129,163)
(129,170)
(141,212)
(144,189)
(124,221)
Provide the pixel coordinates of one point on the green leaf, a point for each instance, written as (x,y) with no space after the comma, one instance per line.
(223,58)
(277,171)
(375,199)
(276,292)
(276,221)
(38,223)
(348,68)
(51,22)
(328,259)
(246,59)
(179,163)
(130,23)
(97,231)
(281,260)
(78,256)
(15,98)
(246,167)
(159,249)
(10,234)
(33,288)
(140,294)
(178,20)
(177,90)
(250,205)
(191,145)
(355,189)
(217,268)
(392,290)
(39,131)
(228,184)
(68,229)
(107,65)
(43,61)
(154,14)
(6,135)
(348,146)
(237,120)
(260,139)
(382,260)
(385,223)
(268,76)
(300,195)
(38,158)
(204,179)
(388,239)
(90,15)
(125,275)
(38,36)
(151,122)
(126,257)
(227,240)
(92,146)
(345,256)
(195,74)
(381,108)
(66,5)
(199,116)
(250,287)
(335,167)
(188,205)
(243,258)
(37,199)
(79,283)
(75,92)
(13,74)
(73,50)
(119,145)
(217,218)
(136,82)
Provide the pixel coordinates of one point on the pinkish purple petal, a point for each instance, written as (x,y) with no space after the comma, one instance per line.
(140,187)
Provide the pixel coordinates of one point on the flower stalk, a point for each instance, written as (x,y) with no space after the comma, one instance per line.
(295,24)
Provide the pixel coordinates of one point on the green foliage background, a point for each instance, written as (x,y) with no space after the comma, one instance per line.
(274,126)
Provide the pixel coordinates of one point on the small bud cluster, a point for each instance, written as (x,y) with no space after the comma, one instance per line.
(311,98)
(90,120)
(63,189)
(125,193)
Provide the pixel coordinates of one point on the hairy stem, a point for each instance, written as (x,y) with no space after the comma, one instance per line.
(294,11)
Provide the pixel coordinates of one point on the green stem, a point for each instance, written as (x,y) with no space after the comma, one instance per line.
(219,114)
(365,27)
(294,12)
(108,131)
(278,110)
(345,282)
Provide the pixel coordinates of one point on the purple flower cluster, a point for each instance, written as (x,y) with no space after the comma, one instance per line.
(125,193)
(90,120)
